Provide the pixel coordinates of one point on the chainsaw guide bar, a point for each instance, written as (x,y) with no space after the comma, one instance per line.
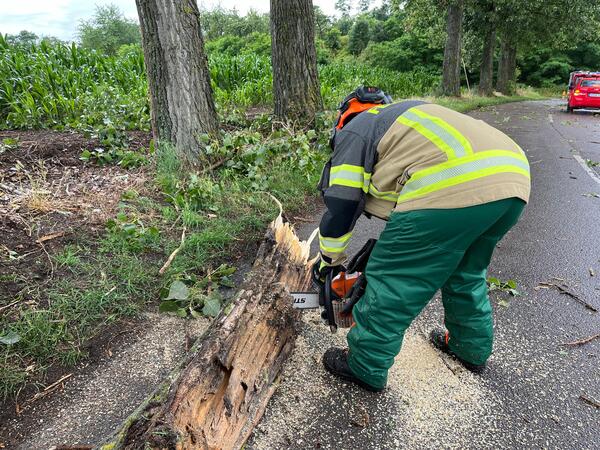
(305,300)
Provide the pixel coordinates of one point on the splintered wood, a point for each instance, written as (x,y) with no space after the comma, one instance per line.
(219,393)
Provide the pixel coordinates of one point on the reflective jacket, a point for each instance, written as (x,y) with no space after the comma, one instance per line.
(414,155)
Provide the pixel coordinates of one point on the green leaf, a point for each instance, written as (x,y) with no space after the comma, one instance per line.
(85,155)
(182,312)
(212,307)
(512,284)
(504,303)
(178,291)
(492,280)
(225,281)
(168,306)
(10,338)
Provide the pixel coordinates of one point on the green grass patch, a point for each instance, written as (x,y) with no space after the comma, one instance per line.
(468,102)
(117,275)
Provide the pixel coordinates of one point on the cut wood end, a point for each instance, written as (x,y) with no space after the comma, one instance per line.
(286,238)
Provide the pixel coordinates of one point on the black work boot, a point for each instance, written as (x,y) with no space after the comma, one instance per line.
(439,339)
(335,361)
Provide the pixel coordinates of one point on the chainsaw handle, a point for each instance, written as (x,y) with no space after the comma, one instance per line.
(327,301)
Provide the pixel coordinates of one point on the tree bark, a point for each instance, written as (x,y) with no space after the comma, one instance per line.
(296,88)
(451,69)
(181,96)
(219,393)
(486,74)
(507,66)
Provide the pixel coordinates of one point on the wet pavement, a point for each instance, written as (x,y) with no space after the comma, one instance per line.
(531,395)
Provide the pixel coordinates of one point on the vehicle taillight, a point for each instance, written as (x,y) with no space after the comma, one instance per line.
(578,92)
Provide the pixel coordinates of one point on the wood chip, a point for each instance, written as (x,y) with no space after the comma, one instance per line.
(49,237)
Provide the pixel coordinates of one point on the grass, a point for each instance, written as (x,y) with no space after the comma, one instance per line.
(116,276)
(468,101)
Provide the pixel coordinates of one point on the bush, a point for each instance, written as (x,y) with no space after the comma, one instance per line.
(404,54)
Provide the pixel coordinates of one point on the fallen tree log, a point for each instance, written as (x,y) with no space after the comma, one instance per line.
(219,392)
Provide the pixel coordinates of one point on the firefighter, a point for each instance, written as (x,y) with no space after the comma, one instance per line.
(450,187)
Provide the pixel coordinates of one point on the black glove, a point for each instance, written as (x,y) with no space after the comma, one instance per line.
(320,271)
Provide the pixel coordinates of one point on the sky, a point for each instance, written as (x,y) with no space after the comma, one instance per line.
(60,18)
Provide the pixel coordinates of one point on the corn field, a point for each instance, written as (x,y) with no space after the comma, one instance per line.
(64,86)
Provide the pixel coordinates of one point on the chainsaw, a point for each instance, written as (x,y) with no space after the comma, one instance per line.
(338,294)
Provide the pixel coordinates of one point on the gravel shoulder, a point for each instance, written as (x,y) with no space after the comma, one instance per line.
(98,398)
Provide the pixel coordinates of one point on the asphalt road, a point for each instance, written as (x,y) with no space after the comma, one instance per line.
(530,396)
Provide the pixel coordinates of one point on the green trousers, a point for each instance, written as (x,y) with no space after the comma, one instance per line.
(418,253)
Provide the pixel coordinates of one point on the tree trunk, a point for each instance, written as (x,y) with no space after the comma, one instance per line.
(451,70)
(296,88)
(507,66)
(219,393)
(181,97)
(486,74)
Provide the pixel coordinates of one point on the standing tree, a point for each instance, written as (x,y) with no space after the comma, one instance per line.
(108,30)
(451,69)
(507,64)
(178,78)
(486,17)
(295,78)
(359,36)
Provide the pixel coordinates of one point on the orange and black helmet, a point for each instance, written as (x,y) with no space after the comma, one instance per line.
(361,99)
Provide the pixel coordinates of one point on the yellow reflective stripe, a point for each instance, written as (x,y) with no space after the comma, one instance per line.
(447,127)
(470,169)
(350,176)
(474,157)
(390,196)
(375,109)
(439,132)
(334,245)
(348,168)
(428,134)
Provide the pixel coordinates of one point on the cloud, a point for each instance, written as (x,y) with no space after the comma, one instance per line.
(58,18)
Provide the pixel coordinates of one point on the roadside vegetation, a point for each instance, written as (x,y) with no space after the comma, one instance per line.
(79,272)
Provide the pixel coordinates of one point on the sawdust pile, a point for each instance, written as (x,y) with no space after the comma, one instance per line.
(429,402)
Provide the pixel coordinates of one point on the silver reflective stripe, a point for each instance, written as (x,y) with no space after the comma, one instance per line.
(448,139)
(468,167)
(347,175)
(333,244)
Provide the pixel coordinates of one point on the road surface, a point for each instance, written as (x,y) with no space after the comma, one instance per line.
(532,393)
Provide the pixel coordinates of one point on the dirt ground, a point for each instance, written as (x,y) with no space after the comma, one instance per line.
(49,198)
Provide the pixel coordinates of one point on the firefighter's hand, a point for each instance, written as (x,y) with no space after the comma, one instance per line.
(320,270)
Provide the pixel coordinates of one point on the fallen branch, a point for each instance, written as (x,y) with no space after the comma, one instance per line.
(583,341)
(590,401)
(9,305)
(47,390)
(173,254)
(563,289)
(49,237)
